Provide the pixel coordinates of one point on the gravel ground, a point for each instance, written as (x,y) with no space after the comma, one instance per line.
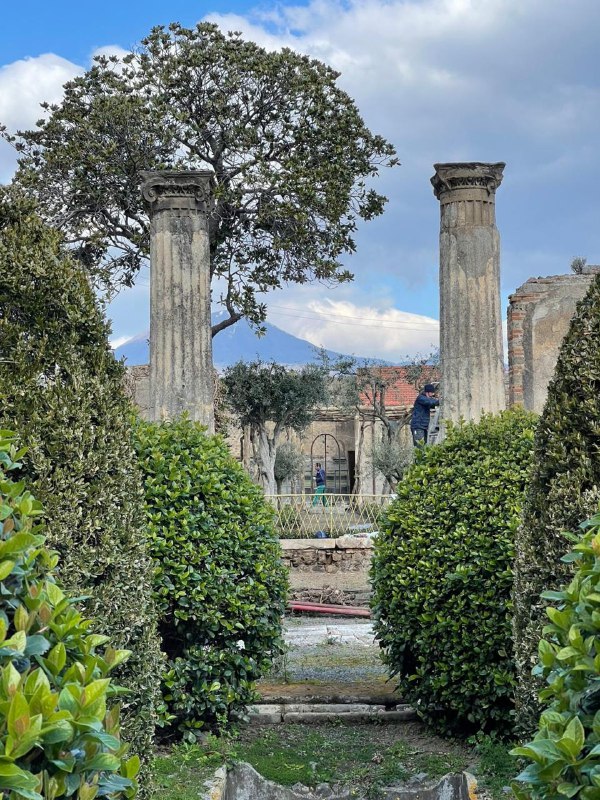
(337,655)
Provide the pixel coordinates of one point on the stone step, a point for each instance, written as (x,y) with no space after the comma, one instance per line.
(273,713)
(310,695)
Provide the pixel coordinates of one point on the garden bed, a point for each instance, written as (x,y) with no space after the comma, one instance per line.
(363,757)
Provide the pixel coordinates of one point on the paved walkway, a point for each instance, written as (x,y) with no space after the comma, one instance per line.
(333,658)
(308,631)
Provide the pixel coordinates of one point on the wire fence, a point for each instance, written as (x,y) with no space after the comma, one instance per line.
(306,516)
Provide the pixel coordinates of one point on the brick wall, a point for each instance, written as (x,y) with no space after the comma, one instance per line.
(539,314)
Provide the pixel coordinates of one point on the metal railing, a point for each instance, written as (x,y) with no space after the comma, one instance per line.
(302,516)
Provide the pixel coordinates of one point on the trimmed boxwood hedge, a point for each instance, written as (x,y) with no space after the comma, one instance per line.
(442,574)
(565,488)
(61,390)
(220,585)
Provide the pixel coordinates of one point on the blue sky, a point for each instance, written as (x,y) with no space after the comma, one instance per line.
(490,80)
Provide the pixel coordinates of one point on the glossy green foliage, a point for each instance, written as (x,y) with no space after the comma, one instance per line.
(59,737)
(61,390)
(565,752)
(564,489)
(442,574)
(290,158)
(219,582)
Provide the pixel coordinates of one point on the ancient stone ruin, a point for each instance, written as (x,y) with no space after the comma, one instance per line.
(471,352)
(180,375)
(539,314)
(181,369)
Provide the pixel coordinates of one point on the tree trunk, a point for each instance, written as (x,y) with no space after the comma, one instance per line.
(264,447)
(358,459)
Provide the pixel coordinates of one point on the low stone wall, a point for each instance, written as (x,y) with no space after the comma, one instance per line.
(329,570)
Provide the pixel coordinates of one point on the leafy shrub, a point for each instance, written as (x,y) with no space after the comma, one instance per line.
(61,390)
(219,582)
(565,488)
(442,574)
(565,752)
(57,737)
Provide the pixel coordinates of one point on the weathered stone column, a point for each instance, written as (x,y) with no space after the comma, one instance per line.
(471,350)
(181,368)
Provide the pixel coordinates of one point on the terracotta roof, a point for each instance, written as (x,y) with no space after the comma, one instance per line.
(401,392)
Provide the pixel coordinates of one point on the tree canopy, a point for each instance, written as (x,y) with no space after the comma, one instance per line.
(289,153)
(270,398)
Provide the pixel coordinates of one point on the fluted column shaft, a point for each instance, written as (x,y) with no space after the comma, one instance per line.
(181,366)
(471,348)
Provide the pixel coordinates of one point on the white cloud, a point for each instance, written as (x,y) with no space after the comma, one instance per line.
(377,331)
(23,86)
(463,80)
(505,80)
(114,343)
(442,71)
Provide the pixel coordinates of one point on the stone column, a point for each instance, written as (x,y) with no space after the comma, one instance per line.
(471,350)
(181,367)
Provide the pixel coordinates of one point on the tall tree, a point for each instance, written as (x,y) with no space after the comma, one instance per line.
(271,399)
(290,158)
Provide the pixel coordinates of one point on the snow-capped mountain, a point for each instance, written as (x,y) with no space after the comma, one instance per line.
(237,343)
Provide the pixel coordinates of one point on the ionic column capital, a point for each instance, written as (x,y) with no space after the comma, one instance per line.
(467,181)
(170,190)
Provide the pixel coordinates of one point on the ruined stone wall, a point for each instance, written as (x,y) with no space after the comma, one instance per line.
(329,570)
(539,314)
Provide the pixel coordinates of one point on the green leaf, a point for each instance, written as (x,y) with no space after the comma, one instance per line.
(103,761)
(14,778)
(573,738)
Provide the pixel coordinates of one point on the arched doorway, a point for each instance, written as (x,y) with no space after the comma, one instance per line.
(331,458)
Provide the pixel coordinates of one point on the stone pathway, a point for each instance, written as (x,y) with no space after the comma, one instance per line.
(329,660)
(308,631)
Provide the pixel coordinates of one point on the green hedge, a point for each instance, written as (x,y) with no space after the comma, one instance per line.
(442,574)
(565,488)
(219,584)
(564,756)
(59,722)
(61,391)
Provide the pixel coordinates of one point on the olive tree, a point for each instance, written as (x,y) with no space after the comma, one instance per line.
(289,464)
(289,154)
(271,399)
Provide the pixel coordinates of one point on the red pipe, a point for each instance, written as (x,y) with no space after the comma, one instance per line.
(323,608)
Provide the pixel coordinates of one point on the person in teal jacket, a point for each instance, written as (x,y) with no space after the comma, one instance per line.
(320,485)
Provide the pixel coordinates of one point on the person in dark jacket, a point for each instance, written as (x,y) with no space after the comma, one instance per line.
(419,424)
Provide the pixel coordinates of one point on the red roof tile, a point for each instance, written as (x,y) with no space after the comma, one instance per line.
(401,392)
